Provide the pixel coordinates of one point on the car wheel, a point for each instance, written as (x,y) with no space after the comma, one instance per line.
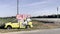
(9,27)
(27,27)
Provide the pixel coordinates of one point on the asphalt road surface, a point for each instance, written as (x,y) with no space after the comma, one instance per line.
(47,19)
(47,31)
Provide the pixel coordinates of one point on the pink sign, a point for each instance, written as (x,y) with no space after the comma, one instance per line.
(22,16)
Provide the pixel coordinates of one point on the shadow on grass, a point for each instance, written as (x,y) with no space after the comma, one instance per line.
(2,28)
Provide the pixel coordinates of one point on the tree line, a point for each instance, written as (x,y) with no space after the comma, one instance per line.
(48,16)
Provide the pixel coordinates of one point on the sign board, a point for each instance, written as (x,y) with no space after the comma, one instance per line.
(22,16)
(19,17)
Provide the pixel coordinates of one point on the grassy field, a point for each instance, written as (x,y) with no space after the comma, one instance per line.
(36,24)
(5,20)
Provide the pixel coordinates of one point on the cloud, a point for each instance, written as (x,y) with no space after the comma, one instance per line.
(41,3)
(36,3)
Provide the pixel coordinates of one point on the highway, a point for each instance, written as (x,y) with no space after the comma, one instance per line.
(46,31)
(47,19)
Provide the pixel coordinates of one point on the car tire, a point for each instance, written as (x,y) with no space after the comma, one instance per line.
(9,27)
(27,27)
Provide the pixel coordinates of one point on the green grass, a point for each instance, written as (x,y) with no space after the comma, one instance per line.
(36,25)
(2,20)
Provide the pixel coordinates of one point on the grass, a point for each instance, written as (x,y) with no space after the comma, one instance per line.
(36,25)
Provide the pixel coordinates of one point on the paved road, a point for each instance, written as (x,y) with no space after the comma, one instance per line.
(48,31)
(48,19)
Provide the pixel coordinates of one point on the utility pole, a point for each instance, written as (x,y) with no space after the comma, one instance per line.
(18,11)
(17,7)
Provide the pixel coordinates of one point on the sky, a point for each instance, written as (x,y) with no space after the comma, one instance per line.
(32,7)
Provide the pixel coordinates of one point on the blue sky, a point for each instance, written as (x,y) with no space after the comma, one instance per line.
(32,7)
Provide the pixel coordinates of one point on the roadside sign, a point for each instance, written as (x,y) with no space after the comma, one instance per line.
(21,16)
